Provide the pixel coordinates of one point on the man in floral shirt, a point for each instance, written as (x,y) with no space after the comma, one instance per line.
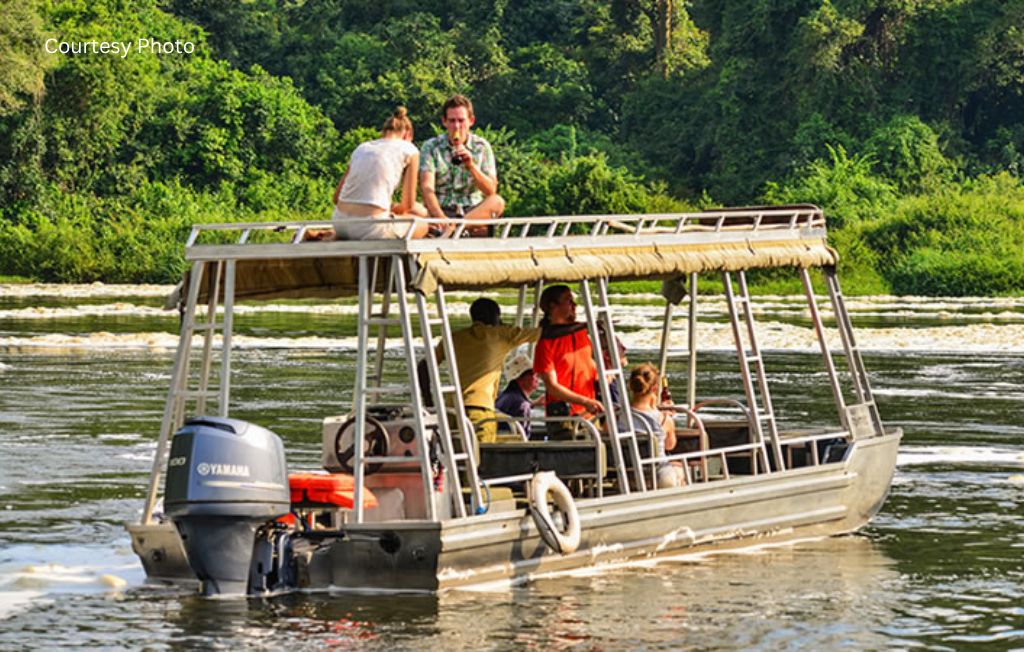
(457,172)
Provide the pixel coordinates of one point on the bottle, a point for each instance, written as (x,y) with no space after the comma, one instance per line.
(456,158)
(666,395)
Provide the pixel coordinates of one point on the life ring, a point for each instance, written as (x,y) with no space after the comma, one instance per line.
(563,541)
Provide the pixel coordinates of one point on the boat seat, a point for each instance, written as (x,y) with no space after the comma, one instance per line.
(568,459)
(326,491)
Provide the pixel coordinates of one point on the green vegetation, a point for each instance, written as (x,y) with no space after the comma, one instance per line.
(904,120)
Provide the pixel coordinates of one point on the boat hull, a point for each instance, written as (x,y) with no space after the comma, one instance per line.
(802,503)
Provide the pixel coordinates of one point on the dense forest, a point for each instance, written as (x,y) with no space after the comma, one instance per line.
(903,119)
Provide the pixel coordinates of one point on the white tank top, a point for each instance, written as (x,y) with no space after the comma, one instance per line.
(375,170)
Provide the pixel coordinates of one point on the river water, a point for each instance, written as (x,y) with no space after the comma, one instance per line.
(84,369)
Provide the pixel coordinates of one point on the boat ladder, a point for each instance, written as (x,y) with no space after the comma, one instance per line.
(862,418)
(185,388)
(441,391)
(372,384)
(751,368)
(602,335)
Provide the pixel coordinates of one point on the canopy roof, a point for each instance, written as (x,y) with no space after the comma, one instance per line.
(617,247)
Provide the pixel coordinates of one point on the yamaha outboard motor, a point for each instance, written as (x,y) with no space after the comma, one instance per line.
(224,479)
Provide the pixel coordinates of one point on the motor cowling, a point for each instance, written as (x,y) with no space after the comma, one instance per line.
(225,478)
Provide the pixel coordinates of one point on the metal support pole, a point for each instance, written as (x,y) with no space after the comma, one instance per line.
(826,354)
(691,344)
(228,325)
(359,397)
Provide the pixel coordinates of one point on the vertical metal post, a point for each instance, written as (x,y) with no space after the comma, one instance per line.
(228,326)
(826,354)
(691,345)
(359,395)
(208,333)
(385,309)
(521,305)
(666,331)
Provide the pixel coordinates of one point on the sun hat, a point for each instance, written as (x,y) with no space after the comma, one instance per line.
(517,366)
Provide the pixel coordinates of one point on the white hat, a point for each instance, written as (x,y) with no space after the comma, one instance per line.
(517,366)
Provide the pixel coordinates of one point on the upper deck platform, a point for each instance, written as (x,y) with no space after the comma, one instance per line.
(275,256)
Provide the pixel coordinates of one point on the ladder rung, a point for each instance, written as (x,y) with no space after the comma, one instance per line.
(195,393)
(459,457)
(392,459)
(383,321)
(752,358)
(448,389)
(434,321)
(626,435)
(387,389)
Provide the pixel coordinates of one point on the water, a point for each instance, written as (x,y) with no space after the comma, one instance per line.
(82,390)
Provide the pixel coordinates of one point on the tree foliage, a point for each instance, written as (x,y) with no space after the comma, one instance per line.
(902,118)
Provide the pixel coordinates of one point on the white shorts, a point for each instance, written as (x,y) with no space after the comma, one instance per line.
(383,227)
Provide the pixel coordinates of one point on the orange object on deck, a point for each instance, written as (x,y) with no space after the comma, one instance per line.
(337,489)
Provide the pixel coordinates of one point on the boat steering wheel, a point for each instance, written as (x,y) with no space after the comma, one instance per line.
(376,444)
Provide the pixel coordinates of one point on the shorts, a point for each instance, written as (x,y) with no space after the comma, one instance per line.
(453,210)
(383,227)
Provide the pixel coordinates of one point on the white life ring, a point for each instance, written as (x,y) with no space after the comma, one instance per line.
(563,541)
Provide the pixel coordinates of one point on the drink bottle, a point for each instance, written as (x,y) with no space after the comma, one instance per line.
(456,158)
(666,395)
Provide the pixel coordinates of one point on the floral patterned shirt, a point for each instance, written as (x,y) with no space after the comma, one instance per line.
(453,183)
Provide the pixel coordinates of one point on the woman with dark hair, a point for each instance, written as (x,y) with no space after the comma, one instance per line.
(645,395)
(564,359)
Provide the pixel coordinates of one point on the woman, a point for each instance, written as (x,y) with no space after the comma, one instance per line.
(645,393)
(376,169)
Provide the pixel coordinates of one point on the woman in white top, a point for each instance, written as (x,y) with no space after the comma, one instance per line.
(645,393)
(376,169)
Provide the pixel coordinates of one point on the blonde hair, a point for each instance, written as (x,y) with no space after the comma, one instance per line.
(398,122)
(644,378)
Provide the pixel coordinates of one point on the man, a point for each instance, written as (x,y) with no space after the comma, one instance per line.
(514,400)
(564,358)
(480,352)
(458,177)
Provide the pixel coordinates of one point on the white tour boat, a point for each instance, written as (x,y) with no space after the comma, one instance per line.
(411,501)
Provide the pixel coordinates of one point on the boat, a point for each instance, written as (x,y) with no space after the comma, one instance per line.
(410,501)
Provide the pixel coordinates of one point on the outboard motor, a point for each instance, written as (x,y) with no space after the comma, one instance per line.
(224,479)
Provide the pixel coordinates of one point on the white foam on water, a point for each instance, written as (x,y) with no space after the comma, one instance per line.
(640,331)
(33,574)
(100,310)
(91,290)
(11,602)
(921,455)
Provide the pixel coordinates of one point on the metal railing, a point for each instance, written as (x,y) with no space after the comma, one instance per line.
(591,227)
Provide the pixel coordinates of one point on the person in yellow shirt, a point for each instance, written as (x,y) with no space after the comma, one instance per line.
(480,352)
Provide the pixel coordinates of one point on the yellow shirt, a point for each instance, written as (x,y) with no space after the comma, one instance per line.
(480,351)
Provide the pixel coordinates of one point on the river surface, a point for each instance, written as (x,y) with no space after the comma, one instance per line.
(84,370)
